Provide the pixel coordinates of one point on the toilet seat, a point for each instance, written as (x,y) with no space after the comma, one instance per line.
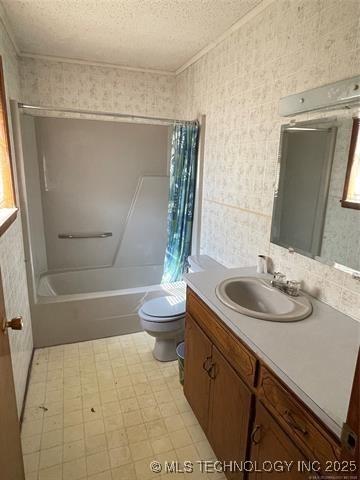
(159,320)
(163,309)
(163,318)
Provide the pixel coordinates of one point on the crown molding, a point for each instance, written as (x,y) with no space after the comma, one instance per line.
(52,58)
(246,18)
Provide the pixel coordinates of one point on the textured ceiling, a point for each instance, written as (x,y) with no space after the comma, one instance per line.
(156,34)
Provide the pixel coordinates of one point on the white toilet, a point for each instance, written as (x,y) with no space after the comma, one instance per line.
(164,317)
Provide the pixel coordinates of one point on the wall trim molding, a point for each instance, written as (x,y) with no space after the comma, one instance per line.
(239,23)
(53,58)
(236,207)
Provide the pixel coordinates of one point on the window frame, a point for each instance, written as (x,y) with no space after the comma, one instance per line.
(8,208)
(353,142)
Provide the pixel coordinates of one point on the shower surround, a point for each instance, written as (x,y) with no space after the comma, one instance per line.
(107,183)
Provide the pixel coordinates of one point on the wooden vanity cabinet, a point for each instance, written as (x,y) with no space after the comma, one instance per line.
(298,422)
(198,358)
(212,387)
(269,443)
(246,412)
(228,433)
(239,357)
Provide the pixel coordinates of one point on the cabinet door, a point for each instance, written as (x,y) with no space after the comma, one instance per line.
(269,443)
(196,378)
(229,413)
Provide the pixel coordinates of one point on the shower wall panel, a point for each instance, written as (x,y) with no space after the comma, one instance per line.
(33,196)
(90,171)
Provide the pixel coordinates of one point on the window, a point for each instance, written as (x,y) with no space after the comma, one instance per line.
(8,208)
(351,195)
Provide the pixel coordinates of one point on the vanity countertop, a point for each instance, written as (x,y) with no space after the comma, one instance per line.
(315,357)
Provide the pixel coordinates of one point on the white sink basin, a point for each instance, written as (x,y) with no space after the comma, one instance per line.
(255,297)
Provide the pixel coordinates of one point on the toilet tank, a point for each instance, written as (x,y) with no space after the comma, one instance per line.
(199,263)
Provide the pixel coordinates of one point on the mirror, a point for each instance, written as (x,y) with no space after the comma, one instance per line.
(309,216)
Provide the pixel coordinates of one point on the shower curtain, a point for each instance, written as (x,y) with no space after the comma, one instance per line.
(184,147)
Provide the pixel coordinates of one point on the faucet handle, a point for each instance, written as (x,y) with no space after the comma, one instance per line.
(279,277)
(293,288)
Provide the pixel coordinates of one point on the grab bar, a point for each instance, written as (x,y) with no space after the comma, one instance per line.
(84,235)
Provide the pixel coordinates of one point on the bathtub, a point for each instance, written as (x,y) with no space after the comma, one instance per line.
(82,305)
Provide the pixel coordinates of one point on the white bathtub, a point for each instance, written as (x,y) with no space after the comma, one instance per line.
(88,304)
(99,280)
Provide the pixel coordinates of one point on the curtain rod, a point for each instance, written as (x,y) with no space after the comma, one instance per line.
(103,114)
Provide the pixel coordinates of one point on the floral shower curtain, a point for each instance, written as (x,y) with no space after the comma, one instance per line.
(184,147)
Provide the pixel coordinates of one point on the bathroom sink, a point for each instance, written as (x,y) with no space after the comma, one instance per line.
(255,297)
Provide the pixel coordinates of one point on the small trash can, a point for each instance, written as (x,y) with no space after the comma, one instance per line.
(180,352)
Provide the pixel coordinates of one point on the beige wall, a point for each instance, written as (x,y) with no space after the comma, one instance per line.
(289,47)
(87,87)
(12,254)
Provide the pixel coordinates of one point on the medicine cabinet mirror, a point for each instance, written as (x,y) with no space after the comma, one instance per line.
(319,175)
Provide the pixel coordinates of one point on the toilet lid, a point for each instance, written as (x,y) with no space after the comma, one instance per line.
(165,307)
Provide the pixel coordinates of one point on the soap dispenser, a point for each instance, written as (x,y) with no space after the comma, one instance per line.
(262,264)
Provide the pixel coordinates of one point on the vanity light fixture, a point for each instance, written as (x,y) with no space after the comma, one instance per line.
(307,129)
(342,94)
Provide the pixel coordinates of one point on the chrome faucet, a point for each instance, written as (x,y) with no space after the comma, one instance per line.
(290,287)
(279,281)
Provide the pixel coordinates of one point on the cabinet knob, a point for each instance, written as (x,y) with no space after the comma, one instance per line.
(15,323)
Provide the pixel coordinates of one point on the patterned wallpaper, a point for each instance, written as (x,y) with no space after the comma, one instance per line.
(87,87)
(12,255)
(291,46)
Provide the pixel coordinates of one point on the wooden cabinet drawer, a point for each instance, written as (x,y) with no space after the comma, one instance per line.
(241,359)
(316,442)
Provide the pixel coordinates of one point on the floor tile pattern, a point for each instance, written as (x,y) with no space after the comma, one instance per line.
(104,409)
